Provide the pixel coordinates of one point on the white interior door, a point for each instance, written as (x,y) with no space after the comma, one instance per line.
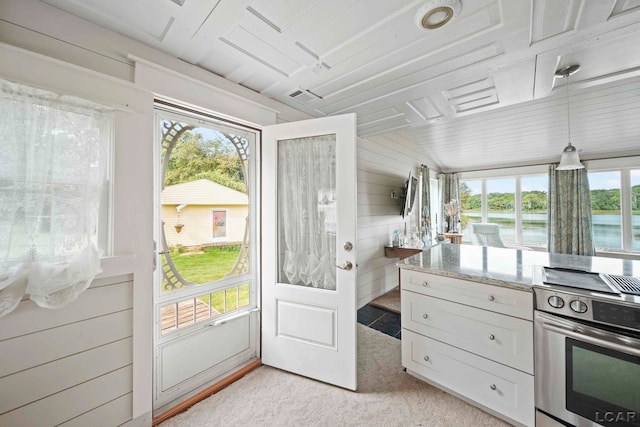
(308,246)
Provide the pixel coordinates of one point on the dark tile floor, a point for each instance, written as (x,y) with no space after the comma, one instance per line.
(381,320)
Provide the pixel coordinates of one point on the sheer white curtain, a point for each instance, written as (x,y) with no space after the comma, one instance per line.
(307,214)
(54,151)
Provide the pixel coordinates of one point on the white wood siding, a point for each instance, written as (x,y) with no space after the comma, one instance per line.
(383,165)
(198,225)
(70,366)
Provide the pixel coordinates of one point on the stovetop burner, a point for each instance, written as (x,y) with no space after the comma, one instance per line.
(577,279)
(595,282)
(626,284)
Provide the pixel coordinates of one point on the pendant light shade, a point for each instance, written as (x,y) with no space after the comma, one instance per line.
(570,159)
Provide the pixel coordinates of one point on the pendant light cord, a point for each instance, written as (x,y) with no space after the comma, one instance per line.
(568,111)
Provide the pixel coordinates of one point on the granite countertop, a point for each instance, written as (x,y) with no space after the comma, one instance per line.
(513,268)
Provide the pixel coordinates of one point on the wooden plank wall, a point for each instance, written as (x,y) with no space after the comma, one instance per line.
(383,165)
(70,366)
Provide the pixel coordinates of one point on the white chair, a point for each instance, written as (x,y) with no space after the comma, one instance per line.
(489,235)
(486,235)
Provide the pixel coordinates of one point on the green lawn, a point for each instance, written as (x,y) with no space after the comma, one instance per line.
(213,264)
(208,266)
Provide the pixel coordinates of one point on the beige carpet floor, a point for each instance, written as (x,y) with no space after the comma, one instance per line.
(386,396)
(389,301)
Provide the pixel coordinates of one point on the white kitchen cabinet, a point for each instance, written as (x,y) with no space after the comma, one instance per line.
(472,339)
(504,390)
(512,302)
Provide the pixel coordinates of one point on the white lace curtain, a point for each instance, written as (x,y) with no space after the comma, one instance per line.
(53,156)
(307,215)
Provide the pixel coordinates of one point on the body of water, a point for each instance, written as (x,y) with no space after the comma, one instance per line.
(606,229)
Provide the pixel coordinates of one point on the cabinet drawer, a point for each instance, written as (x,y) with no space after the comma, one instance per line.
(498,387)
(503,300)
(504,339)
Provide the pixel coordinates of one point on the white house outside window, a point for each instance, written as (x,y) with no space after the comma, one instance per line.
(55,152)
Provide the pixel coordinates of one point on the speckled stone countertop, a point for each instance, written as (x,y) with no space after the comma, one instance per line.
(513,268)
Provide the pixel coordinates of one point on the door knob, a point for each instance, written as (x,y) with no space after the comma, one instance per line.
(348,246)
(346,266)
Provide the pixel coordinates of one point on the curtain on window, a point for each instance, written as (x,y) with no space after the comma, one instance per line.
(54,151)
(449,193)
(569,212)
(425,212)
(307,210)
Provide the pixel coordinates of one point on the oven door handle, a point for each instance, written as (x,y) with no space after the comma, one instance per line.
(631,346)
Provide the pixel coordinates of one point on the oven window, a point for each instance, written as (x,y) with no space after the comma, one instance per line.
(602,384)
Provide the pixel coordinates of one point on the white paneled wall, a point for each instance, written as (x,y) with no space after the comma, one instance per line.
(383,166)
(71,366)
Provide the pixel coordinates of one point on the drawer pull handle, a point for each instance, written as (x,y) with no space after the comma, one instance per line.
(426,358)
(492,298)
(492,337)
(425,316)
(425,283)
(492,387)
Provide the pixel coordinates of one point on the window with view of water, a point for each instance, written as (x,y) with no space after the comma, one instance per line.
(501,206)
(615,202)
(470,205)
(605,209)
(534,209)
(635,209)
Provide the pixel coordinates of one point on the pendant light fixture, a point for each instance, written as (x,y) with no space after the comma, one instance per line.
(569,159)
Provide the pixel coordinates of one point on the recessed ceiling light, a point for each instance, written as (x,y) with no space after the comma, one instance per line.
(437,13)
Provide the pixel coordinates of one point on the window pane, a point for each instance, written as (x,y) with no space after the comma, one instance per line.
(501,206)
(470,205)
(534,209)
(219,220)
(307,207)
(635,210)
(204,202)
(605,209)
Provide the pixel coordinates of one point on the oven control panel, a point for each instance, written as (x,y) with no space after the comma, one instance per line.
(616,314)
(589,308)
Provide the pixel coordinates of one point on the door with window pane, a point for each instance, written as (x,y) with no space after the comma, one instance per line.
(309,255)
(205,289)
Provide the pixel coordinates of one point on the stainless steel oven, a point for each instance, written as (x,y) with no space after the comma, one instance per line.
(587,351)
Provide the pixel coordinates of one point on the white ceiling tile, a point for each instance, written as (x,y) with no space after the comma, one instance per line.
(249,44)
(280,14)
